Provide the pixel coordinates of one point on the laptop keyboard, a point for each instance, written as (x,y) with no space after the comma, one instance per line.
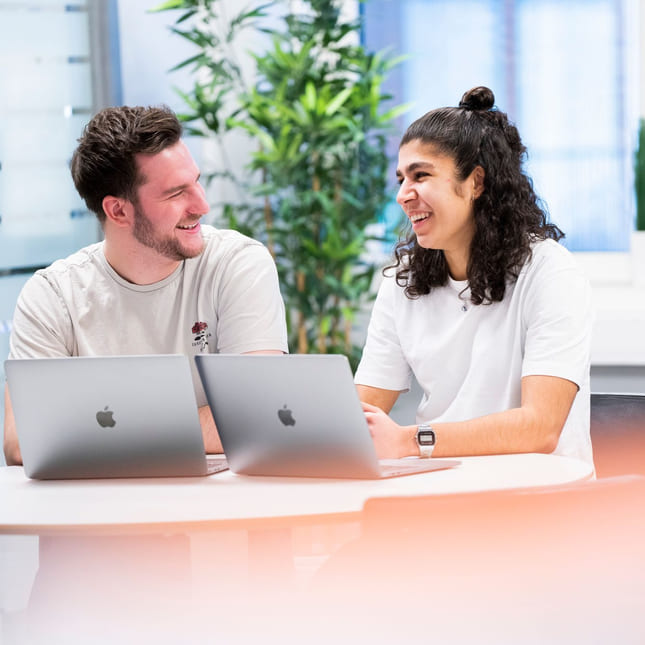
(396,467)
(390,470)
(216,464)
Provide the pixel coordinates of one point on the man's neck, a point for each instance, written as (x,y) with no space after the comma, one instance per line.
(138,264)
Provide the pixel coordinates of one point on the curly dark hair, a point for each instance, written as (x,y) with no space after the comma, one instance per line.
(104,162)
(508,214)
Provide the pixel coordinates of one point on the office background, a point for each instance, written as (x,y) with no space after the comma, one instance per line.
(568,73)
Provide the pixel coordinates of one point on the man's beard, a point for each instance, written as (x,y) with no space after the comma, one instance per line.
(170,247)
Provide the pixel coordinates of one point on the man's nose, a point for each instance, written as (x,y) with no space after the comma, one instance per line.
(200,204)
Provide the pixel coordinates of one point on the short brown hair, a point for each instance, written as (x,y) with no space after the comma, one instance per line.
(104,162)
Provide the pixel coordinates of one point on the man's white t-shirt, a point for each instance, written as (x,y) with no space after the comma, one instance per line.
(469,359)
(226,300)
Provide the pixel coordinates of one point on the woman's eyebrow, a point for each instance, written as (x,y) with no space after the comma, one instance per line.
(415,165)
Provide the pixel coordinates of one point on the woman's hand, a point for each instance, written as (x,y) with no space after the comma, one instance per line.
(391,440)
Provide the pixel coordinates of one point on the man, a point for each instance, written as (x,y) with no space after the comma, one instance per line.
(160,282)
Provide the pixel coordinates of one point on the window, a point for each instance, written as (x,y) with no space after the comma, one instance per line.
(566,73)
(54,68)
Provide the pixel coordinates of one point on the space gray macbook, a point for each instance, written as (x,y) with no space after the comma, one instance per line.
(295,415)
(116,416)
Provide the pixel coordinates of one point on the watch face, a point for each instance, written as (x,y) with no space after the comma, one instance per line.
(426,437)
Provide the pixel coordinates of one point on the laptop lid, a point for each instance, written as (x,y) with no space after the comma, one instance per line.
(114,416)
(293,415)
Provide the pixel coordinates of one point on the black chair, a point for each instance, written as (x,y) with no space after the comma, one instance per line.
(618,433)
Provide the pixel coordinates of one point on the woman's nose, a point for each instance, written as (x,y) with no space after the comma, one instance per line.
(405,192)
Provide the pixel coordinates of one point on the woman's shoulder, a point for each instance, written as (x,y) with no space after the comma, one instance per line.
(553,266)
(551,253)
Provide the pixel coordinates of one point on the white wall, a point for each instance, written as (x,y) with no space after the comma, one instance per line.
(148,51)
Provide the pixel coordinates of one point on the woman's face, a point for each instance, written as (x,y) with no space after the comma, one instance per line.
(438,205)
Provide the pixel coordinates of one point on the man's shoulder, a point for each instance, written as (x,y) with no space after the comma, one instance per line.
(226,237)
(225,243)
(80,260)
(77,273)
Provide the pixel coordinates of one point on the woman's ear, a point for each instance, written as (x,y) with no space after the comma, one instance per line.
(478,175)
(117,210)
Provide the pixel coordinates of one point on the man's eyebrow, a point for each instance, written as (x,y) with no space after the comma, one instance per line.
(176,189)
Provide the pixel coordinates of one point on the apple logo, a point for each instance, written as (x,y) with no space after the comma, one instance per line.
(104,417)
(286,416)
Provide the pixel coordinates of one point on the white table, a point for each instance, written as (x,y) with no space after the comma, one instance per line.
(42,507)
(172,558)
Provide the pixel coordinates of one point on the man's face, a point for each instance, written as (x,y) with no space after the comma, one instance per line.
(170,203)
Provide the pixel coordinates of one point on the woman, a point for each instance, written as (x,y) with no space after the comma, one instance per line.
(481,304)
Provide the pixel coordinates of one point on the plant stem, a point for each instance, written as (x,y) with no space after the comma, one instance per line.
(268,217)
(303,345)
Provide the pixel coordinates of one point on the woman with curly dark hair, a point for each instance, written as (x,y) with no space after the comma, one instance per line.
(481,304)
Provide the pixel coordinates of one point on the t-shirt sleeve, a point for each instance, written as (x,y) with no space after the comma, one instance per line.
(383,363)
(558,316)
(41,326)
(251,315)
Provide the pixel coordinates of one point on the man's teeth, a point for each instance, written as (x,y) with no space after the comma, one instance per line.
(189,226)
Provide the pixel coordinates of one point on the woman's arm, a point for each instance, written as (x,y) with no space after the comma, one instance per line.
(533,427)
(383,399)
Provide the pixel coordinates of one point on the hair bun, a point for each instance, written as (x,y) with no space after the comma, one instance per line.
(479,98)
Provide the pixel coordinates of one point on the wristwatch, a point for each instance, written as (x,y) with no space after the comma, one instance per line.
(425,439)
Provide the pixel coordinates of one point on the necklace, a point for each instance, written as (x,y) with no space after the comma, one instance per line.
(464,299)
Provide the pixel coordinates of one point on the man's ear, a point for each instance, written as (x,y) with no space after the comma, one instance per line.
(478,175)
(117,210)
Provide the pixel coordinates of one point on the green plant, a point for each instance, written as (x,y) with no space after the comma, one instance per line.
(639,177)
(319,170)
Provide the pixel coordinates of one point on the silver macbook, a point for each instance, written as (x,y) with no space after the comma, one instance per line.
(116,416)
(295,415)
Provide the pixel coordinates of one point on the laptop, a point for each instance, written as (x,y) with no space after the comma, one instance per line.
(295,415)
(110,416)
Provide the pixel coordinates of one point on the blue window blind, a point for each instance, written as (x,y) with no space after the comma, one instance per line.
(566,72)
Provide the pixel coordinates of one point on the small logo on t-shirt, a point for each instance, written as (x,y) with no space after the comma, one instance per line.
(201,336)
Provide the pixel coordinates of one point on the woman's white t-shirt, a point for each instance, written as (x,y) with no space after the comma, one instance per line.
(469,359)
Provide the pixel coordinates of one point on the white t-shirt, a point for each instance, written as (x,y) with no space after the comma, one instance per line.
(469,360)
(226,300)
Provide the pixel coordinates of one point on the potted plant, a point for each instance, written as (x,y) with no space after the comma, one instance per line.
(638,235)
(316,178)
